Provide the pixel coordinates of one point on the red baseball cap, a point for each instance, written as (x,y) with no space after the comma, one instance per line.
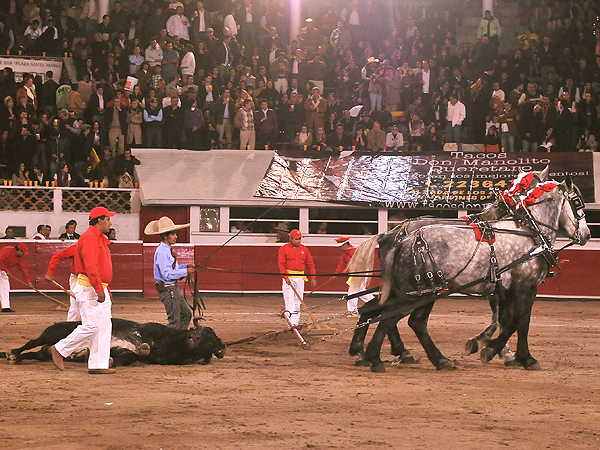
(296,234)
(99,211)
(342,240)
(23,247)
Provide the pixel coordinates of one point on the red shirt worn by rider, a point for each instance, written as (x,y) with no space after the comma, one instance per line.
(297,259)
(60,256)
(9,258)
(93,259)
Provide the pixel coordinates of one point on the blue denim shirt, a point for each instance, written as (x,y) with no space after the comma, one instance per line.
(163,265)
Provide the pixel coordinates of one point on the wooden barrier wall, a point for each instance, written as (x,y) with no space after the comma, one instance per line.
(133,271)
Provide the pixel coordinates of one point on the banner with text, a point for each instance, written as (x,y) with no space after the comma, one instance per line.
(35,66)
(453,180)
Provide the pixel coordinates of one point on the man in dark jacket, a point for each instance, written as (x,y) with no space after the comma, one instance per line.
(267,128)
(224,115)
(126,163)
(339,138)
(531,127)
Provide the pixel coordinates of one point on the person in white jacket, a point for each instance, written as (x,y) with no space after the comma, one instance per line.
(455,116)
(188,62)
(394,140)
(89,15)
(178,25)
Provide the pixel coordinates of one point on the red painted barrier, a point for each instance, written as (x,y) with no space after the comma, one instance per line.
(133,268)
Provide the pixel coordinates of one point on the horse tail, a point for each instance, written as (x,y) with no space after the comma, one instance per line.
(362,261)
(387,273)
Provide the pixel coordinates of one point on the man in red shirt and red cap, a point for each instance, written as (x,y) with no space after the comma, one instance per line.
(348,251)
(60,256)
(295,260)
(93,267)
(11,256)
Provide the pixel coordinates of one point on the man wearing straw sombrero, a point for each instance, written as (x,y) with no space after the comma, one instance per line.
(167,273)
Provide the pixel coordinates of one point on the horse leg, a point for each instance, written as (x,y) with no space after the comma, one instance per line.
(418,322)
(398,348)
(505,314)
(479,341)
(373,353)
(357,346)
(523,357)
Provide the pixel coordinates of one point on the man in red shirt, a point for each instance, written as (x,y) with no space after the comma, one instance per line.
(295,260)
(93,266)
(347,253)
(11,256)
(61,255)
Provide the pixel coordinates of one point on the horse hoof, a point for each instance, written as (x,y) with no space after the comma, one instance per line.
(407,358)
(144,349)
(471,346)
(445,364)
(486,354)
(533,365)
(361,362)
(511,362)
(378,368)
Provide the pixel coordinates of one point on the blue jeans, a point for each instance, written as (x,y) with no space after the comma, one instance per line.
(376,101)
(452,133)
(508,142)
(528,146)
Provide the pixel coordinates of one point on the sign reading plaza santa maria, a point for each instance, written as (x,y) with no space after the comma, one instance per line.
(34,66)
(453,180)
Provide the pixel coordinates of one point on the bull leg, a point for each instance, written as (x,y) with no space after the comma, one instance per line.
(418,322)
(122,357)
(42,354)
(31,344)
(373,353)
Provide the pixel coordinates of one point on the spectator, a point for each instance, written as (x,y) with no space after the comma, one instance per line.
(587,142)
(315,108)
(338,139)
(244,120)
(63,177)
(43,233)
(125,181)
(173,119)
(153,116)
(70,234)
(455,116)
(376,138)
(491,27)
(360,140)
(267,127)
(224,116)
(394,140)
(116,121)
(193,119)
(134,119)
(303,139)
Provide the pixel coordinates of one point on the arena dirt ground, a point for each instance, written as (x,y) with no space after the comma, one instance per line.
(269,394)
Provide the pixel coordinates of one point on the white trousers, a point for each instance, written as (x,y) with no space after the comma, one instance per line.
(292,303)
(95,325)
(73,315)
(353,302)
(281,85)
(4,290)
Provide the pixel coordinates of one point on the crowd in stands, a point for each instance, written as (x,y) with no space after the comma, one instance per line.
(362,74)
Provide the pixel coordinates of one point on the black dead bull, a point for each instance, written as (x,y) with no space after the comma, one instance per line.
(152,343)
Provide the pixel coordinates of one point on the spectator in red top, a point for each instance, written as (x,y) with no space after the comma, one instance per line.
(348,251)
(93,266)
(295,260)
(11,256)
(57,258)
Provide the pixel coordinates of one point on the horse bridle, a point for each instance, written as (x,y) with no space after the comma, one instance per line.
(577,207)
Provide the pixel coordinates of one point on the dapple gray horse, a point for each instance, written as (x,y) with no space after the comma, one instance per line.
(462,261)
